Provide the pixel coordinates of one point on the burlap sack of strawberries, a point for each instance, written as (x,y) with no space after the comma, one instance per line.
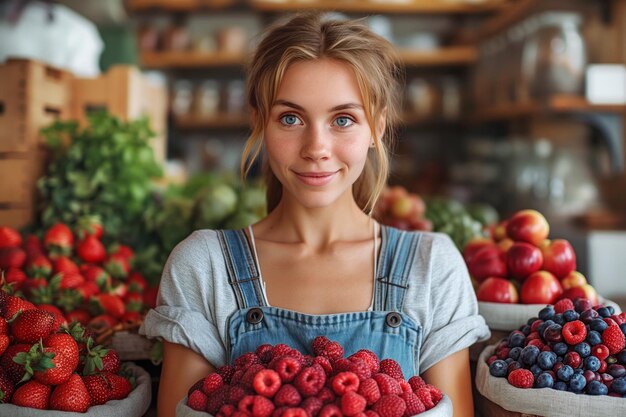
(278,381)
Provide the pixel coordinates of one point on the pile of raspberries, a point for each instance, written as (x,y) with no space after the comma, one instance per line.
(279,381)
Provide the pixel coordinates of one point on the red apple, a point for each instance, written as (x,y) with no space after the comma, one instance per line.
(584,291)
(528,226)
(489,261)
(402,207)
(421,224)
(497,290)
(540,287)
(522,259)
(497,231)
(505,244)
(558,257)
(474,245)
(572,280)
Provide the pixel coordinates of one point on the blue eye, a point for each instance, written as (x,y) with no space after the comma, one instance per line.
(343,121)
(289,120)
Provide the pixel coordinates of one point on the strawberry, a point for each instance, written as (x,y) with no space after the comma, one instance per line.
(12,258)
(123,251)
(133,301)
(64,265)
(91,250)
(51,361)
(89,226)
(98,387)
(117,265)
(33,247)
(150,296)
(120,386)
(70,280)
(131,317)
(59,240)
(9,237)
(7,387)
(94,273)
(88,289)
(35,288)
(71,395)
(613,338)
(80,316)
(15,277)
(109,304)
(14,370)
(32,325)
(102,321)
(11,305)
(39,267)
(4,342)
(32,394)
(99,359)
(59,319)
(136,283)
(4,326)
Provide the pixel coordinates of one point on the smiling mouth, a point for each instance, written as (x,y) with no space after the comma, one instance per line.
(316,178)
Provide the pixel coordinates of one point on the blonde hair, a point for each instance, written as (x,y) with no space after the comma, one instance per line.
(379,75)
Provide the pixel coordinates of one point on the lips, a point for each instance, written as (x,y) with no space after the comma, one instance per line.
(316,178)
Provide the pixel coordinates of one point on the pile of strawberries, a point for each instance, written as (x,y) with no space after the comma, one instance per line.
(278,381)
(74,276)
(45,365)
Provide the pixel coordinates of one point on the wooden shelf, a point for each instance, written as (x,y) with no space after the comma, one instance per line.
(557,104)
(380,6)
(446,56)
(163,60)
(218,121)
(178,5)
(512,14)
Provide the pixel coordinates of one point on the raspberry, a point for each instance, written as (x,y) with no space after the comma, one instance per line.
(521,378)
(312,405)
(266,382)
(227,410)
(390,406)
(371,413)
(345,382)
(330,410)
(286,366)
(197,385)
(217,399)
(369,390)
(416,382)
(235,394)
(246,360)
(333,351)
(278,411)
(294,412)
(369,357)
(197,400)
(211,383)
(352,403)
(413,404)
(387,384)
(248,376)
(279,350)
(310,380)
(341,365)
(226,372)
(326,395)
(562,305)
(435,393)
(425,397)
(264,352)
(574,332)
(391,368)
(256,406)
(613,338)
(287,395)
(318,344)
(360,368)
(405,386)
(324,363)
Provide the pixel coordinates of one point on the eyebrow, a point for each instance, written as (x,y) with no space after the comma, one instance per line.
(300,108)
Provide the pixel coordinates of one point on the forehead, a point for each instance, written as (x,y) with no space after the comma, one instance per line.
(321,79)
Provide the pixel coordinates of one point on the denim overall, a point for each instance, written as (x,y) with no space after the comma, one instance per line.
(384,329)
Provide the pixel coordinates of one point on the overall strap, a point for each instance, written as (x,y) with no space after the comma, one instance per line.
(243,274)
(398,253)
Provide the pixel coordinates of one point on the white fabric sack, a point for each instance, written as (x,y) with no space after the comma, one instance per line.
(442,409)
(546,402)
(135,405)
(499,316)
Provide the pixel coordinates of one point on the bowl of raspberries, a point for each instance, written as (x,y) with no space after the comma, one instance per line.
(279,381)
(569,360)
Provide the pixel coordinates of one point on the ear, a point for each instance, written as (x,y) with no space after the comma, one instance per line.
(381,123)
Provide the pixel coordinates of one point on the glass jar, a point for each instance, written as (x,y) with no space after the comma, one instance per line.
(554,56)
(207,98)
(182,97)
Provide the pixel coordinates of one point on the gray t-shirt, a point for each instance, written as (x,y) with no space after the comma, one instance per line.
(196,300)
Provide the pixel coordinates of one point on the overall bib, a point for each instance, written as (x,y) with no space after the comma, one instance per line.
(384,329)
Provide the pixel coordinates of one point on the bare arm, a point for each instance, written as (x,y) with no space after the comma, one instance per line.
(182,367)
(452,376)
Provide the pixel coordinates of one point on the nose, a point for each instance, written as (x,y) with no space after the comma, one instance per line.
(316,144)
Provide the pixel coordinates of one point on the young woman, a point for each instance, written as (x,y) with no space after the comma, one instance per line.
(324,99)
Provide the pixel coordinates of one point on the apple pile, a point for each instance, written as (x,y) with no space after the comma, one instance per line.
(401,209)
(518,254)
(278,381)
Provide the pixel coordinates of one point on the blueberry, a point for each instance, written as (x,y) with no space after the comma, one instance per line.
(616,371)
(560,385)
(622,327)
(558,319)
(594,338)
(544,380)
(531,320)
(577,383)
(529,355)
(578,371)
(546,360)
(498,368)
(546,313)
(619,385)
(583,349)
(621,357)
(598,325)
(560,348)
(565,373)
(525,329)
(543,326)
(517,339)
(509,360)
(536,370)
(596,388)
(603,312)
(570,315)
(591,363)
(515,352)
(611,310)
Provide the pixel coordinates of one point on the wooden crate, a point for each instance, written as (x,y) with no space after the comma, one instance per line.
(16,217)
(25,169)
(127,94)
(32,95)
